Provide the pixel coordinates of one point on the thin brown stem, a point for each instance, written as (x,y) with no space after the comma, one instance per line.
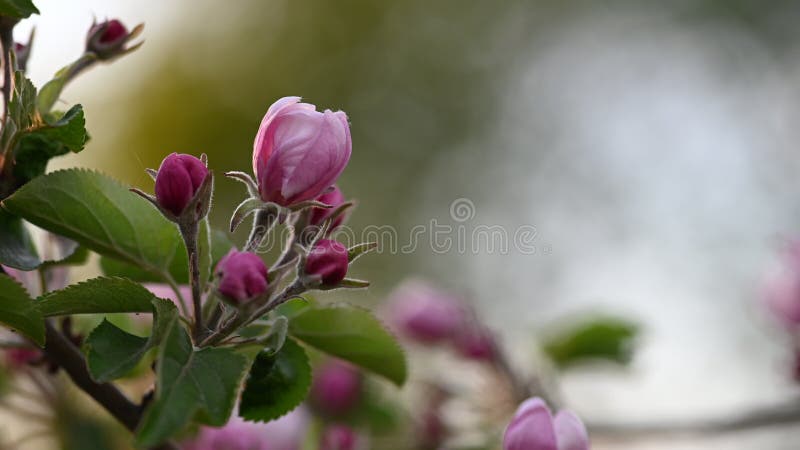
(785,414)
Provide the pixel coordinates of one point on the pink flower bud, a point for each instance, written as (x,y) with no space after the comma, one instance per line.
(242,276)
(424,313)
(337,388)
(107,39)
(533,428)
(782,289)
(339,437)
(177,182)
(328,261)
(334,198)
(17,358)
(299,152)
(476,342)
(23,52)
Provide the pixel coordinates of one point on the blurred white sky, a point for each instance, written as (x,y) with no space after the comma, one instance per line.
(658,161)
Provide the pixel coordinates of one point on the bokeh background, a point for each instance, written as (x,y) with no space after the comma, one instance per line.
(651,144)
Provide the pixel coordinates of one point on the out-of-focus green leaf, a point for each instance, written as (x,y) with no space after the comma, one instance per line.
(278,383)
(18,9)
(16,246)
(18,310)
(112,353)
(603,338)
(192,384)
(352,334)
(102,215)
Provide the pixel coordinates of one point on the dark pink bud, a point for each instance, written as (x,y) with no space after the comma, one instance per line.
(177,182)
(328,260)
(113,31)
(424,313)
(23,52)
(242,276)
(337,388)
(334,198)
(107,39)
(17,358)
(339,437)
(299,152)
(477,343)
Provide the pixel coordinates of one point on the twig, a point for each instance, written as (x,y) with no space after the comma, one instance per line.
(64,353)
(758,418)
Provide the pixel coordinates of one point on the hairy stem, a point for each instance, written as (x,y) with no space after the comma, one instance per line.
(243,319)
(190,233)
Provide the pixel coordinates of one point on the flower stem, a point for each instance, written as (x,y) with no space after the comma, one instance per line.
(189,233)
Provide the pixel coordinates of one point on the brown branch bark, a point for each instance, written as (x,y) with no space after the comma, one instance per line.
(63,352)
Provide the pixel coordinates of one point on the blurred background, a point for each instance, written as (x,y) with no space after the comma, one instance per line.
(652,145)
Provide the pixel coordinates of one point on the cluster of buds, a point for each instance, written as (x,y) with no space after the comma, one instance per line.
(534,428)
(298,155)
(425,314)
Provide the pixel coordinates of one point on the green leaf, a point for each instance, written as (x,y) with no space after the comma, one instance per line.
(101,295)
(77,256)
(18,310)
(38,146)
(352,334)
(69,130)
(16,246)
(19,9)
(192,384)
(49,93)
(220,245)
(102,215)
(602,338)
(22,107)
(112,353)
(278,383)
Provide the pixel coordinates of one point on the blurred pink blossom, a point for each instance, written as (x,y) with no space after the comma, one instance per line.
(423,313)
(534,428)
(337,387)
(286,433)
(782,288)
